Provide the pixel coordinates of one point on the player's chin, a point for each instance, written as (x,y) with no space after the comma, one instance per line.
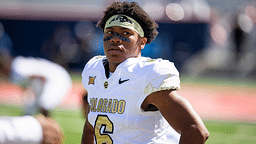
(115,59)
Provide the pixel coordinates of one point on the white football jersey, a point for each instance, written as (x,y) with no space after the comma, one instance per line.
(116,113)
(49,94)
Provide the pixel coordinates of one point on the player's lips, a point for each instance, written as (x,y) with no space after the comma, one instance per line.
(115,50)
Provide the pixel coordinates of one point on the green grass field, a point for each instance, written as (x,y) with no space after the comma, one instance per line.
(221,132)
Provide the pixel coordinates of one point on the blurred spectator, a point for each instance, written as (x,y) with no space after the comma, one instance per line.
(241,27)
(5,40)
(238,37)
(6,49)
(216,53)
(63,48)
(227,51)
(72,48)
(30,130)
(247,21)
(90,38)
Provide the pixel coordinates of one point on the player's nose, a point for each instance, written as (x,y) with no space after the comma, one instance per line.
(116,39)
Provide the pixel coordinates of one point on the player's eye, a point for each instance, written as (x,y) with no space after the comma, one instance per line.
(126,33)
(110,32)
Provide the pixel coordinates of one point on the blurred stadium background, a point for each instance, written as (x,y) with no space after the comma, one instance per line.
(211,42)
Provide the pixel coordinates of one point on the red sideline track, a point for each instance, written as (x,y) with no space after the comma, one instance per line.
(211,102)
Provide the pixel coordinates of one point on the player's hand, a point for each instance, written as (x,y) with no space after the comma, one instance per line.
(52,131)
(45,112)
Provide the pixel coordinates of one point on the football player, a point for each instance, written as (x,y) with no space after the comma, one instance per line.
(134,99)
(44,83)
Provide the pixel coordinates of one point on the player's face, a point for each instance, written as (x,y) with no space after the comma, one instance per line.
(122,43)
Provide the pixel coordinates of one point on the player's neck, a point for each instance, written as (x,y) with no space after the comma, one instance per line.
(112,67)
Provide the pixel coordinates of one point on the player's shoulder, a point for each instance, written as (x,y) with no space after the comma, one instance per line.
(94,63)
(151,61)
(158,63)
(95,60)
(157,67)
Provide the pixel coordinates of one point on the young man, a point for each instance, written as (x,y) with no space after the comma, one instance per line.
(133,99)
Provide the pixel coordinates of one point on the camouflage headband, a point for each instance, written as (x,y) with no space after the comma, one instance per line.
(126,22)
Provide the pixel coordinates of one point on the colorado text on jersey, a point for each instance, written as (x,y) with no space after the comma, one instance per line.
(107,105)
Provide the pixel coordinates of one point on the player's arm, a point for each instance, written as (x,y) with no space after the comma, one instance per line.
(180,115)
(52,131)
(85,104)
(88,132)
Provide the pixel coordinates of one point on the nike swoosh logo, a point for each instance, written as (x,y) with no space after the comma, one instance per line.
(122,81)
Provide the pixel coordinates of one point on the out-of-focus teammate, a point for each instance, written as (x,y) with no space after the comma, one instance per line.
(44,83)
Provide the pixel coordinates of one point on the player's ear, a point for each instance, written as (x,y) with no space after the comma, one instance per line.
(143,41)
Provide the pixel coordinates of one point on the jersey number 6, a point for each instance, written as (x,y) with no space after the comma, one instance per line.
(103,138)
